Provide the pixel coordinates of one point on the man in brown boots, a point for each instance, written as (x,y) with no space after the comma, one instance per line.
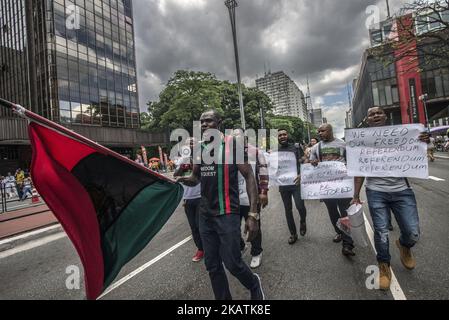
(395,194)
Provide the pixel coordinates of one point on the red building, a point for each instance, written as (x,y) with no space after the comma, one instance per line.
(398,74)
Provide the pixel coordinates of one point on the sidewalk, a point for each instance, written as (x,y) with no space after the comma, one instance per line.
(27,219)
(23,220)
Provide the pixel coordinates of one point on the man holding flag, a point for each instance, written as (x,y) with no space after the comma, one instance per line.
(109,206)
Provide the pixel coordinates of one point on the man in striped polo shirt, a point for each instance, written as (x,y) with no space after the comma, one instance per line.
(219,209)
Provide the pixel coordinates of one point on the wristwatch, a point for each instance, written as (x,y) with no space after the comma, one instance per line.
(254,215)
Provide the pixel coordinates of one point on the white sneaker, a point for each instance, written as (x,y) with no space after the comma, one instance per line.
(255,261)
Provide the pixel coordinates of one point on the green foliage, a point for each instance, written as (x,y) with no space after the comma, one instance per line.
(297,129)
(189,93)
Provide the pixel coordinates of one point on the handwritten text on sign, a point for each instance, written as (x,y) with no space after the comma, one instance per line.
(393,151)
(282,168)
(329,180)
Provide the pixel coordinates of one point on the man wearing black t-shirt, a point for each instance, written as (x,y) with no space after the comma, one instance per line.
(289,191)
(219,210)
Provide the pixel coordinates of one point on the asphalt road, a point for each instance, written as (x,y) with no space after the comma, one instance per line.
(313,268)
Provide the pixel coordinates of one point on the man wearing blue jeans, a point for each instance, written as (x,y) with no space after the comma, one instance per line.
(385,194)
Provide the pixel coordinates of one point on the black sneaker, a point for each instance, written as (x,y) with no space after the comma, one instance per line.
(257,292)
(302,229)
(347,251)
(293,239)
(337,238)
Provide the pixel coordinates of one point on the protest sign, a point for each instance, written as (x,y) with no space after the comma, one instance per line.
(328,180)
(393,151)
(282,168)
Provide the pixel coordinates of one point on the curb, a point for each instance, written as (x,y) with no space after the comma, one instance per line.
(13,241)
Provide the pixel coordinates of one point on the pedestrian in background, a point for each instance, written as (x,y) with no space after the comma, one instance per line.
(287,192)
(333,149)
(27,188)
(260,170)
(192,199)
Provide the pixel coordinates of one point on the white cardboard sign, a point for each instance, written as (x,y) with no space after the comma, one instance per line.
(393,151)
(328,180)
(282,168)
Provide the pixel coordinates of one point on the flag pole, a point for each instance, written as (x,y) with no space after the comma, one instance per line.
(21,111)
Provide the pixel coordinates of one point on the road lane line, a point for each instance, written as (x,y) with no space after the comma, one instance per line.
(29,234)
(435,178)
(32,244)
(395,288)
(143,267)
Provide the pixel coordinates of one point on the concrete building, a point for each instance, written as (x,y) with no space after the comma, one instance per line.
(73,64)
(399,86)
(316,117)
(287,98)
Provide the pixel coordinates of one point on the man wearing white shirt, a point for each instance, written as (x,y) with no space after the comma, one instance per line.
(191,198)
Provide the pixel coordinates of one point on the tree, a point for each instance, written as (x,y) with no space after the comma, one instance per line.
(296,128)
(185,97)
(419,37)
(189,93)
(253,99)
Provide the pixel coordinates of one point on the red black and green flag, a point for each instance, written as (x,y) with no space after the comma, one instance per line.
(109,206)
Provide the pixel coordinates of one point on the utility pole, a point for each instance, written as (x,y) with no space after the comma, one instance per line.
(310,101)
(388,9)
(231,5)
(349,125)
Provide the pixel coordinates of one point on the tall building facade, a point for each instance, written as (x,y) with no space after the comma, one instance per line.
(400,85)
(287,98)
(81,65)
(73,62)
(316,117)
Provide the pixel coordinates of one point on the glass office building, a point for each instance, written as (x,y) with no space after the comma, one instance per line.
(80,67)
(13,55)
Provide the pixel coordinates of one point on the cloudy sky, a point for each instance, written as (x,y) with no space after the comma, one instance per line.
(321,39)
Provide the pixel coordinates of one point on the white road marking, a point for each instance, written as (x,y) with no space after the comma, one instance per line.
(32,244)
(395,288)
(435,178)
(29,234)
(142,268)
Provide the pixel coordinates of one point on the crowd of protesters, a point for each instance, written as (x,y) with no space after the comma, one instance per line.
(18,185)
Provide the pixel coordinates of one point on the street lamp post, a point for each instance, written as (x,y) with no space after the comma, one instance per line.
(231,5)
(262,118)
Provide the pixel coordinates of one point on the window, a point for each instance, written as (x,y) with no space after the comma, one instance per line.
(434,21)
(445,16)
(431,21)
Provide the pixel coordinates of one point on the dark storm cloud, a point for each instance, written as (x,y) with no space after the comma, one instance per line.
(322,38)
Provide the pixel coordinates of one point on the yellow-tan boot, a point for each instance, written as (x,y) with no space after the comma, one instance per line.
(384,276)
(407,258)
